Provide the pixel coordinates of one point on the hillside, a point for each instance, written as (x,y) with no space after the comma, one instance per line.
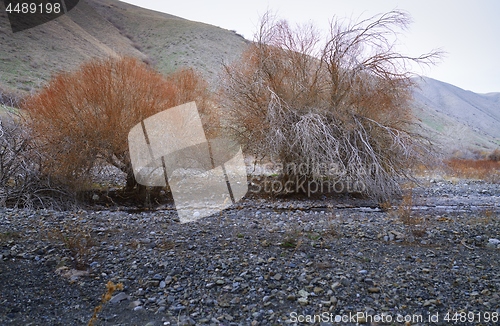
(457,120)
(109,27)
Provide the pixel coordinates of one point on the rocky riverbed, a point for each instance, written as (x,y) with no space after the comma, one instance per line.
(262,262)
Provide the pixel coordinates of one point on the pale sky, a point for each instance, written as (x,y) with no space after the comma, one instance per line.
(468,30)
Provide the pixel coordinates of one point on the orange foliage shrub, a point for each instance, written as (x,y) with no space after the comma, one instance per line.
(488,170)
(82,118)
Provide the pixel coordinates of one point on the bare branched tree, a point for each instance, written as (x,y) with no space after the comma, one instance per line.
(342,103)
(21,183)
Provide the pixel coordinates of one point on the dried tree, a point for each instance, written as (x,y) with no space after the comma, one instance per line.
(343,103)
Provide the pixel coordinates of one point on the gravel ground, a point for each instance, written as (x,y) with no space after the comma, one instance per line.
(263,262)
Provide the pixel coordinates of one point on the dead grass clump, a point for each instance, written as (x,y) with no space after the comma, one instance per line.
(76,240)
(415,224)
(404,211)
(483,169)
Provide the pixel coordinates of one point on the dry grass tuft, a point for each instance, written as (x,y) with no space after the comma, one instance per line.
(415,224)
(110,289)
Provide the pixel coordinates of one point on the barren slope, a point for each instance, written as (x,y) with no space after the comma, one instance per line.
(458,119)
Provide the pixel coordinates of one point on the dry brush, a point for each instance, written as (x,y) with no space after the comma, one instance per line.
(341,103)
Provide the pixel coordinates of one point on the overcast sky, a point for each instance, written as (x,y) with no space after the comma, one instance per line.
(468,30)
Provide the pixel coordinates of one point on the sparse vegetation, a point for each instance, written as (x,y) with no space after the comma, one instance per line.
(110,289)
(495,155)
(297,101)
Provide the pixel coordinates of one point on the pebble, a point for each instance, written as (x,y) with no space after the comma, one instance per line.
(119,297)
(303,293)
(493,243)
(303,301)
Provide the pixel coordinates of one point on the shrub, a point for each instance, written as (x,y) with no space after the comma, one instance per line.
(21,183)
(9,98)
(13,146)
(81,119)
(494,156)
(343,104)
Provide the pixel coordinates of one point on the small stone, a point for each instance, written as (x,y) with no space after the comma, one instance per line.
(369,281)
(162,285)
(317,290)
(335,285)
(303,301)
(363,271)
(303,293)
(220,282)
(119,297)
(493,243)
(153,283)
(178,308)
(429,303)
(291,297)
(373,290)
(397,235)
(135,304)
(345,281)
(277,277)
(186,321)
